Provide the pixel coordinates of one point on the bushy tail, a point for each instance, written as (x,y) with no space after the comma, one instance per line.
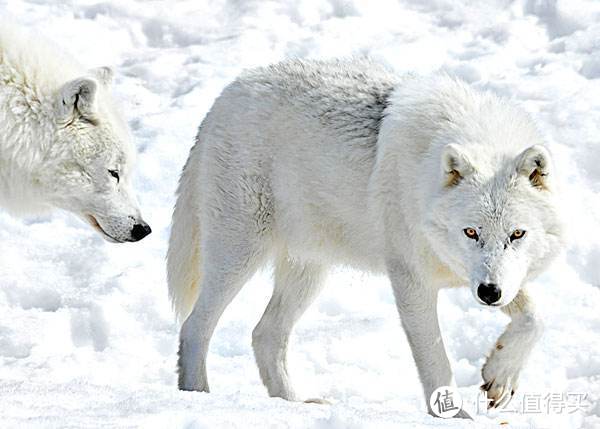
(183,256)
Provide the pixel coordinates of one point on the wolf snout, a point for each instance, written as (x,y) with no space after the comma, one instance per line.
(140,230)
(489,293)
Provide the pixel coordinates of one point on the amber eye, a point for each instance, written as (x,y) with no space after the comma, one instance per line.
(471,233)
(517,234)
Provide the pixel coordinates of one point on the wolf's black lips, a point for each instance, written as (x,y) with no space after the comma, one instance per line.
(96,225)
(495,304)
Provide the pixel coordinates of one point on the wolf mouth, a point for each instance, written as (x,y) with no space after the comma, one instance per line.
(96,225)
(494,304)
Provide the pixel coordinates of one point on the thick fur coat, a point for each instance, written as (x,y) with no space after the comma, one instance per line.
(310,164)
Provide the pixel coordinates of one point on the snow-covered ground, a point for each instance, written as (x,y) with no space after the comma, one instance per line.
(87,337)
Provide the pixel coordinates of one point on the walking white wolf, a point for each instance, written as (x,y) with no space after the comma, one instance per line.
(62,142)
(312,164)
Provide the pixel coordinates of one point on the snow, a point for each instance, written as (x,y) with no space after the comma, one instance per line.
(87,337)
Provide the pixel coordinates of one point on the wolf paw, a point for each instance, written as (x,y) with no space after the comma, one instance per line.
(500,379)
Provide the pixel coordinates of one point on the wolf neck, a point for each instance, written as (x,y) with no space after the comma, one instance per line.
(24,138)
(20,163)
(21,198)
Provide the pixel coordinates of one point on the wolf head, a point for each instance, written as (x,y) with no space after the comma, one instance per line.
(89,164)
(495,223)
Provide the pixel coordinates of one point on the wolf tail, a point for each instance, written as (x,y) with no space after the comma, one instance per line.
(183,256)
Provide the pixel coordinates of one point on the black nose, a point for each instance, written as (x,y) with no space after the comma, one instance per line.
(140,230)
(489,292)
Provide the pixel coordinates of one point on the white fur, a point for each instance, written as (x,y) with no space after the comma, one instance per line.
(312,164)
(60,134)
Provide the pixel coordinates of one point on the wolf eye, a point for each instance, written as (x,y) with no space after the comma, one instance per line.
(471,233)
(517,234)
(115,174)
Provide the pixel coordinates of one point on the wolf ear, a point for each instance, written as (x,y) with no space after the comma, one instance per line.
(536,164)
(76,96)
(455,165)
(104,75)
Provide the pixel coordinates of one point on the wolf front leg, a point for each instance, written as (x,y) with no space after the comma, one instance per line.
(501,370)
(417,305)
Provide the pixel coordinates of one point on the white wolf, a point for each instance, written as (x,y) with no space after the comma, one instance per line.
(62,142)
(311,164)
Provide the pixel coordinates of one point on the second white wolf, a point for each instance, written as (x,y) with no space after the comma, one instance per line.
(311,164)
(63,143)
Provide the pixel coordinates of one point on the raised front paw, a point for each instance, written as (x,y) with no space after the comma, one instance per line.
(500,378)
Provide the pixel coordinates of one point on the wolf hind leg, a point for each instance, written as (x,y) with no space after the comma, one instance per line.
(296,287)
(229,260)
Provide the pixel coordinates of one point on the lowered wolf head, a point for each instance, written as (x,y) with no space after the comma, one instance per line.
(89,164)
(495,223)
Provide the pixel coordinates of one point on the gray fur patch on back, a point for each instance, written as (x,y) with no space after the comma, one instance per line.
(348,97)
